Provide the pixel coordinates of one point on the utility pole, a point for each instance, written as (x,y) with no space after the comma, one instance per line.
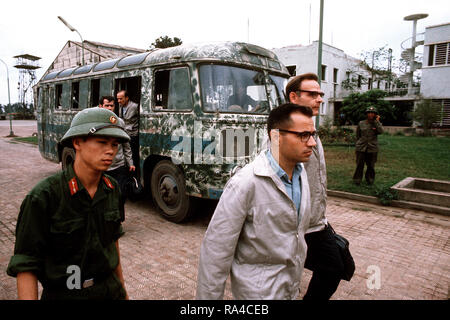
(319,55)
(74,30)
(309,38)
(390,69)
(248,30)
(11,132)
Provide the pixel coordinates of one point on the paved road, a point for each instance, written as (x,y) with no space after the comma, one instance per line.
(410,249)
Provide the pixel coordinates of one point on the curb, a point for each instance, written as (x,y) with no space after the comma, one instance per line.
(395,203)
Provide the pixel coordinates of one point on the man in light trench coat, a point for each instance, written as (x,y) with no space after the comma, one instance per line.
(256,234)
(323,255)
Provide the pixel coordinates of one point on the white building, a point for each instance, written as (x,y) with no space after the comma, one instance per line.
(436,68)
(337,69)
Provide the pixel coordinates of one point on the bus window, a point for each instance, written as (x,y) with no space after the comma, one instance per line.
(95,92)
(75,95)
(105,87)
(49,98)
(58,96)
(232,89)
(172,90)
(132,85)
(84,94)
(276,87)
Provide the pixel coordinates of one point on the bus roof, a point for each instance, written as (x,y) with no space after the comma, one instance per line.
(235,52)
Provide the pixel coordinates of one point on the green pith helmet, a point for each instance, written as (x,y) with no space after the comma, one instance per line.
(95,122)
(371,109)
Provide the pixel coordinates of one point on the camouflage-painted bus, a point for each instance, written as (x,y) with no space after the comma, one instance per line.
(203,110)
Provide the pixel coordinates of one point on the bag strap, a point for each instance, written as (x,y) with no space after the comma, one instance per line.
(331,228)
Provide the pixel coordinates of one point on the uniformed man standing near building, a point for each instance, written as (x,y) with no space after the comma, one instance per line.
(69,224)
(367,146)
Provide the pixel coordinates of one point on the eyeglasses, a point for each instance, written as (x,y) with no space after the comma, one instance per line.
(304,136)
(313,94)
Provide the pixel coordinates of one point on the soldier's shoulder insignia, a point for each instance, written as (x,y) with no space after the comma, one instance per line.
(73,186)
(108,182)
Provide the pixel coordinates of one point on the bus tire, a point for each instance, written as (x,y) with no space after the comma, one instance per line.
(168,189)
(67,157)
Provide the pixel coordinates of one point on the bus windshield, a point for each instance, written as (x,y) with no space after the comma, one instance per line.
(239,90)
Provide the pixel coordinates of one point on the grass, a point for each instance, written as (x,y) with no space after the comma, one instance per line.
(31,140)
(399,157)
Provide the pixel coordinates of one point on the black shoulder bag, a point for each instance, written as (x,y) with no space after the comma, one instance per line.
(347,259)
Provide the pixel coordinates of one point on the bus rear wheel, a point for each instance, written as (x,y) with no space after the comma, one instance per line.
(67,157)
(168,190)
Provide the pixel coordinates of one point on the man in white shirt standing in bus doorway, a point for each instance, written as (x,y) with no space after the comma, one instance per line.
(323,256)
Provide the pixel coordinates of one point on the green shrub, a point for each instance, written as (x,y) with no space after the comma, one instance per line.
(426,113)
(385,194)
(337,136)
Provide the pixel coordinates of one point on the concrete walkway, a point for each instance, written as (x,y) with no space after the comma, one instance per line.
(399,253)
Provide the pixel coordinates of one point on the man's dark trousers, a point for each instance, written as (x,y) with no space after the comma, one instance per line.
(324,260)
(369,159)
(134,145)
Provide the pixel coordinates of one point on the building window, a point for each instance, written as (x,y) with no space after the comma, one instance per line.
(324,73)
(335,75)
(323,108)
(439,54)
(369,84)
(431,55)
(292,70)
(359,81)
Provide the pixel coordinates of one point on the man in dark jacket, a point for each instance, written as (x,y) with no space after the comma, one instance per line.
(367,146)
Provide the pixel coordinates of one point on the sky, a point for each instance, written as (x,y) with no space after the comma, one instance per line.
(355,26)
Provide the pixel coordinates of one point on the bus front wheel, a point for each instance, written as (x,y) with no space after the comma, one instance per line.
(168,190)
(67,157)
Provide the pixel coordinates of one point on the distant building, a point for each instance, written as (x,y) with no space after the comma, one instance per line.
(71,54)
(436,69)
(339,72)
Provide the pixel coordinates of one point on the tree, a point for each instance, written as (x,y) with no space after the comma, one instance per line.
(426,113)
(354,106)
(379,63)
(21,111)
(166,42)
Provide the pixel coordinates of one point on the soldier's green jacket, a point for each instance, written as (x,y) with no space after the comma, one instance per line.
(367,133)
(60,225)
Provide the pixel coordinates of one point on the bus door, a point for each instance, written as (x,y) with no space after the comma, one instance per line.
(132,85)
(42,113)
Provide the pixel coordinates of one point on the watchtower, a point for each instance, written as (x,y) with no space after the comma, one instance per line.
(27,65)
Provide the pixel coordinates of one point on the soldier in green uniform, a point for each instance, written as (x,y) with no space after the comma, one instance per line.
(367,146)
(69,224)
